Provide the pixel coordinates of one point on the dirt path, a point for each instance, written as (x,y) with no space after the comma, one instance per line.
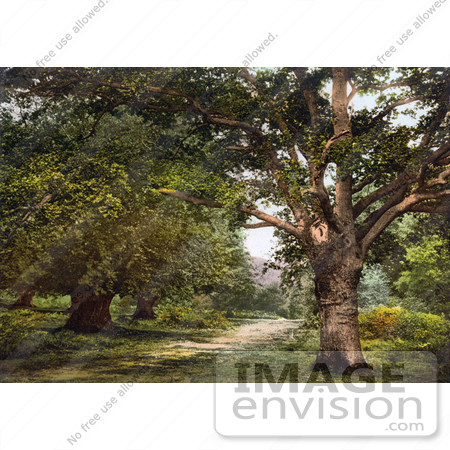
(253,334)
(166,361)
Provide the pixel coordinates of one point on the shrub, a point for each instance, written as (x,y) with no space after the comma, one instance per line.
(123,305)
(52,303)
(407,330)
(15,326)
(425,331)
(8,297)
(380,322)
(182,316)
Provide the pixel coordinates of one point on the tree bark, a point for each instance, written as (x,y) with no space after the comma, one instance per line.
(25,300)
(144,309)
(336,280)
(92,313)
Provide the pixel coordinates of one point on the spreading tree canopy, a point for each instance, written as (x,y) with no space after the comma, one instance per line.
(290,138)
(99,231)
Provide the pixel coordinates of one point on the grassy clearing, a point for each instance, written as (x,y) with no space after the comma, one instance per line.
(142,349)
(38,350)
(137,351)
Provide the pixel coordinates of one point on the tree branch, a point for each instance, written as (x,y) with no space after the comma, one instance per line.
(318,190)
(406,205)
(245,209)
(372,219)
(263,185)
(438,209)
(308,93)
(274,165)
(333,140)
(255,225)
(405,178)
(439,117)
(189,134)
(386,111)
(355,89)
(32,209)
(241,147)
(440,180)
(441,152)
(94,126)
(359,187)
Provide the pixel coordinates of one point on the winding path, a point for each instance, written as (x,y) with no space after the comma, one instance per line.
(253,334)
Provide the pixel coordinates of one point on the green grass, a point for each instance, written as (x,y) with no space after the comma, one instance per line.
(309,340)
(51,354)
(143,351)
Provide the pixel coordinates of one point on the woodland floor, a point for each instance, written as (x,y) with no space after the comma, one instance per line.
(141,352)
(145,352)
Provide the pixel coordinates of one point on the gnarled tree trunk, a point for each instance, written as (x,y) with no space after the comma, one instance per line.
(144,309)
(336,282)
(92,313)
(25,300)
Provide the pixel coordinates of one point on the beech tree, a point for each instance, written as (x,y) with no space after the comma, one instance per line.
(100,232)
(291,138)
(54,184)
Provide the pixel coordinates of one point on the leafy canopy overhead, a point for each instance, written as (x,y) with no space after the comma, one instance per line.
(241,139)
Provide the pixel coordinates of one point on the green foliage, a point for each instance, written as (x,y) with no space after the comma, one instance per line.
(379,322)
(122,305)
(15,326)
(411,304)
(52,303)
(104,224)
(202,301)
(179,316)
(312,322)
(407,330)
(251,314)
(426,274)
(8,297)
(63,340)
(373,289)
(269,298)
(237,289)
(88,200)
(426,331)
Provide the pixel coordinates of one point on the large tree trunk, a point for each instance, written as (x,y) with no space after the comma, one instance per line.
(336,284)
(144,309)
(92,313)
(25,300)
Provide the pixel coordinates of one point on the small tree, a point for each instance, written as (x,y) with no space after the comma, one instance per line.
(374,288)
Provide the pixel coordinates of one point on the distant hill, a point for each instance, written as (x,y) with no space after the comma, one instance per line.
(272,276)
